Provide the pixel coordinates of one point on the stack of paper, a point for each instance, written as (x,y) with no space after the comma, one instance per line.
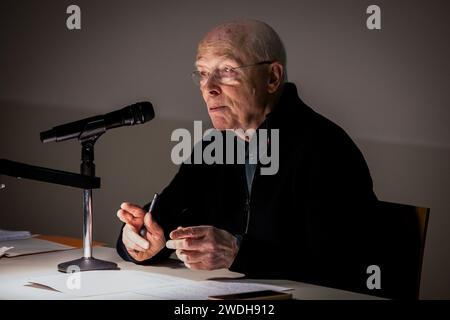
(14,235)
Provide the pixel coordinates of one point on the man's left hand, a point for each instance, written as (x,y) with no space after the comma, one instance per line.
(204,247)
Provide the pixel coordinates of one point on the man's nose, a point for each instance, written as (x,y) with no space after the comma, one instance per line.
(212,85)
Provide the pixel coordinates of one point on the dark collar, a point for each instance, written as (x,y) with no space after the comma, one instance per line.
(287,107)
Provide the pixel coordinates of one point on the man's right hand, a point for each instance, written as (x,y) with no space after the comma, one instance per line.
(138,247)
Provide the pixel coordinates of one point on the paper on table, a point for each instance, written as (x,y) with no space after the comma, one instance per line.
(14,235)
(152,285)
(118,296)
(31,246)
(104,282)
(201,290)
(3,250)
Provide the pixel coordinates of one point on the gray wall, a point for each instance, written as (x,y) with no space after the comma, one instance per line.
(388,89)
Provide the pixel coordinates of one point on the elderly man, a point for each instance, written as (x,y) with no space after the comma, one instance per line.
(308,222)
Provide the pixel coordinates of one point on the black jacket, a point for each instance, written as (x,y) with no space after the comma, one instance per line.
(309,222)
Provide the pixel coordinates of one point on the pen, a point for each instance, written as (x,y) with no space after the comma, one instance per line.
(143,231)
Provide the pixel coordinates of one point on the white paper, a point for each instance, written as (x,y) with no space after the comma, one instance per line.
(92,283)
(3,250)
(14,235)
(201,290)
(118,296)
(31,246)
(123,283)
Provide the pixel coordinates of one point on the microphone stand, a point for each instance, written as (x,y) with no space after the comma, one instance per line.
(87,131)
(87,262)
(86,181)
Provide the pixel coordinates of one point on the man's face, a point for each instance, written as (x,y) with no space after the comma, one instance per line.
(238,102)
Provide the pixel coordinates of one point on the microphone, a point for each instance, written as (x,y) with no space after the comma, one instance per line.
(137,113)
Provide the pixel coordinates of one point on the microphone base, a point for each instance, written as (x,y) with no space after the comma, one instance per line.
(86,264)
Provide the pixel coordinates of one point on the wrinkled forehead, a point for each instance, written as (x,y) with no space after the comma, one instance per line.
(217,52)
(216,59)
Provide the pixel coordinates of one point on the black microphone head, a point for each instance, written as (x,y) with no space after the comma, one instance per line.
(137,113)
(142,112)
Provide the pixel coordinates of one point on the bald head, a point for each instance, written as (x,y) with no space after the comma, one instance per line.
(240,71)
(246,41)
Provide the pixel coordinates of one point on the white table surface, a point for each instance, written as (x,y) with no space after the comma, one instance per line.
(15,271)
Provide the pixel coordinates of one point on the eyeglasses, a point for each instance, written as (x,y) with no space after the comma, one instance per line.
(224,75)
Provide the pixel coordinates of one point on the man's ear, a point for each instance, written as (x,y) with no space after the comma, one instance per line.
(276,73)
